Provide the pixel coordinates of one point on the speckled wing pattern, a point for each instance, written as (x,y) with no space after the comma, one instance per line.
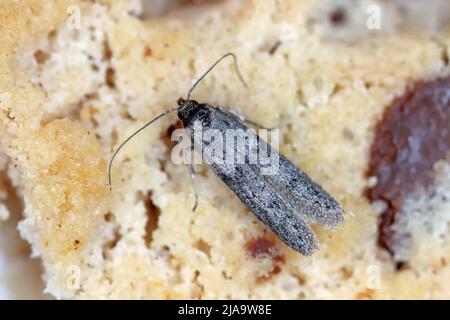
(286,201)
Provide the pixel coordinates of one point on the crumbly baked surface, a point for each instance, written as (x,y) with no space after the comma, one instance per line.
(68,96)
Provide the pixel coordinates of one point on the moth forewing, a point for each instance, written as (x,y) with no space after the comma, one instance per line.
(269,206)
(255,189)
(306,197)
(309,199)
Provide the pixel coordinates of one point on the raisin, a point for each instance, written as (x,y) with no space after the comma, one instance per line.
(413,134)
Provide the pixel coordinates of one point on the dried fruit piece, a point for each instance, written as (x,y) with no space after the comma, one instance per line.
(412,136)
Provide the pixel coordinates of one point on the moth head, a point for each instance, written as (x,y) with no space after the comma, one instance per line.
(186,108)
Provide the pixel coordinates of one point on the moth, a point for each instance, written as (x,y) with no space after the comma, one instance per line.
(287,201)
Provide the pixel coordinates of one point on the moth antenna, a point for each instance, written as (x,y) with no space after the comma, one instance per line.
(212,67)
(131,137)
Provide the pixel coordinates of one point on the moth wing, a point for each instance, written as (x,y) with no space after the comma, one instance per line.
(309,199)
(271,207)
(259,193)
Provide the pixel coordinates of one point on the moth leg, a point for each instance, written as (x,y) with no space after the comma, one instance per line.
(192,176)
(195,171)
(241,117)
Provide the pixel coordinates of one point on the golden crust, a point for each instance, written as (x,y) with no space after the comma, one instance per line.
(67,175)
